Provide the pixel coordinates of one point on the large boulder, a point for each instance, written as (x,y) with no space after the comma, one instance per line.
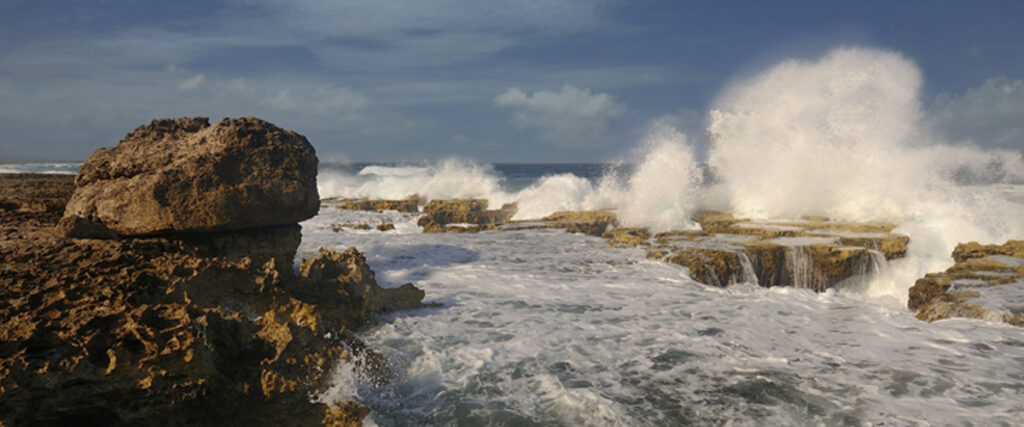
(185,176)
(198,329)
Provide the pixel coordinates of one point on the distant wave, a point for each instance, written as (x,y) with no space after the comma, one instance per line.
(45,168)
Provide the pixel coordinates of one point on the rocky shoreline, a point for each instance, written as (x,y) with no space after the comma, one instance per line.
(814,253)
(194,317)
(160,286)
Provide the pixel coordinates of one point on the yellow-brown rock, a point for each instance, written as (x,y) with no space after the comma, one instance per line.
(594,223)
(971,287)
(463,215)
(186,176)
(206,329)
(813,253)
(627,236)
(410,205)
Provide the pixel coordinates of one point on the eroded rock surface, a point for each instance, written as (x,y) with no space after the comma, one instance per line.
(191,329)
(463,215)
(410,205)
(814,253)
(987,282)
(185,176)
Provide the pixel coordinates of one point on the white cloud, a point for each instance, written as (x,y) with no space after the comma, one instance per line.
(989,115)
(569,118)
(192,83)
(378,17)
(329,100)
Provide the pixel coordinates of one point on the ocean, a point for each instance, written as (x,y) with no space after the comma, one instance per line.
(545,327)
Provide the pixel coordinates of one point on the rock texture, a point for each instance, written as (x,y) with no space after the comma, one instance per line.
(815,253)
(190,314)
(29,201)
(185,176)
(200,329)
(410,205)
(986,282)
(464,215)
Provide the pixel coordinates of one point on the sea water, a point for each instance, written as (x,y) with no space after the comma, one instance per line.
(545,327)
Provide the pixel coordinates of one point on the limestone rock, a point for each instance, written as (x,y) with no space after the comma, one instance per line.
(463,215)
(986,282)
(627,236)
(410,205)
(198,329)
(186,176)
(594,223)
(813,253)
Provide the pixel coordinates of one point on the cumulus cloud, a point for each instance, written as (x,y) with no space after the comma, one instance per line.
(570,118)
(318,99)
(193,82)
(988,115)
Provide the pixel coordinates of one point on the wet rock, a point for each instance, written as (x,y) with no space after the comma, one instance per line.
(715,267)
(345,279)
(814,253)
(464,215)
(410,205)
(386,227)
(185,176)
(594,223)
(986,282)
(627,236)
(338,227)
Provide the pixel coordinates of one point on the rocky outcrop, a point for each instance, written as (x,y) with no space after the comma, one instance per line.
(191,313)
(986,282)
(410,205)
(155,331)
(463,215)
(594,223)
(814,253)
(186,176)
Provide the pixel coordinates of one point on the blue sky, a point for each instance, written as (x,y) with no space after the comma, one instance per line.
(536,81)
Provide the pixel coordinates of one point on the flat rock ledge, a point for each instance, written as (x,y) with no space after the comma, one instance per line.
(986,282)
(814,253)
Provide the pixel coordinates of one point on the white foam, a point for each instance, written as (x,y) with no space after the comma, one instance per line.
(543,326)
(43,168)
(663,191)
(842,136)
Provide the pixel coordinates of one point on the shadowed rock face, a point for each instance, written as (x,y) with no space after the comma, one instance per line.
(987,282)
(198,329)
(186,176)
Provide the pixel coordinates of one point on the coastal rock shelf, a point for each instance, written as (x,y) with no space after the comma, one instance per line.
(182,307)
(987,282)
(813,253)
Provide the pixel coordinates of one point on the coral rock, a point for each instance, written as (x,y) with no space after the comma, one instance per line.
(186,176)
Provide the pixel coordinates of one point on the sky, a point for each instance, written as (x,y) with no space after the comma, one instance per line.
(495,81)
